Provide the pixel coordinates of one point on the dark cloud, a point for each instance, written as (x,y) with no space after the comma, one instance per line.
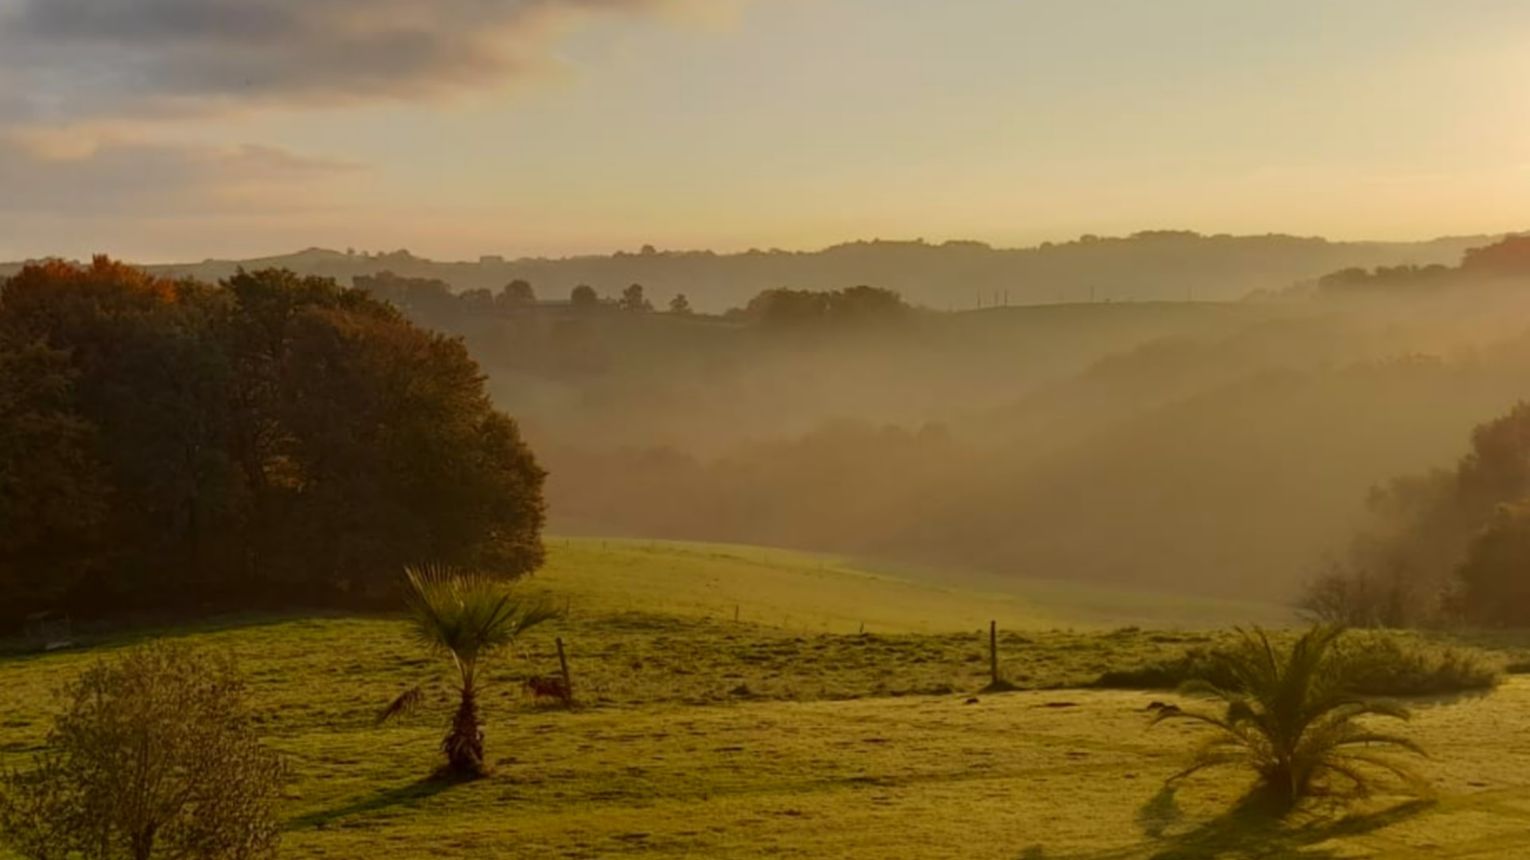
(156,179)
(63,60)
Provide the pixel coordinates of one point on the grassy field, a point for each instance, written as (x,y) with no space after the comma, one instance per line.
(824,594)
(703,737)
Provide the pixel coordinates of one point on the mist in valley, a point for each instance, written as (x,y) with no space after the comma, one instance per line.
(1210,448)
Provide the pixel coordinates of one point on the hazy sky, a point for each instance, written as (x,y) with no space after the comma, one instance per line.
(181,129)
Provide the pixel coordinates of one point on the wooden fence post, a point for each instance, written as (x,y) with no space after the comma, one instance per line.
(993,652)
(568,682)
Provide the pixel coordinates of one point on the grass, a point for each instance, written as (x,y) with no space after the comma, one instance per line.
(704,737)
(818,593)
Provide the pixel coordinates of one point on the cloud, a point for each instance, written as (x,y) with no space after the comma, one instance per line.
(63,61)
(101,102)
(43,176)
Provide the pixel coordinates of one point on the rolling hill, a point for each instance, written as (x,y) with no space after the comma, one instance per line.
(1152,265)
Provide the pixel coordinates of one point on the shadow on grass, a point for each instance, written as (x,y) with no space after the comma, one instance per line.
(137,629)
(402,795)
(1255,827)
(1438,700)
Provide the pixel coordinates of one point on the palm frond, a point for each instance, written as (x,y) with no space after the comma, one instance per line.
(469,615)
(1201,763)
(1358,778)
(1168,714)
(1386,764)
(1380,708)
(1380,739)
(404,705)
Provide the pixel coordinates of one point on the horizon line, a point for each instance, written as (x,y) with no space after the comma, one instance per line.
(648,250)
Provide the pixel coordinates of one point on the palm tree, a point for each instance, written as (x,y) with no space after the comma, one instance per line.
(1289,717)
(468,617)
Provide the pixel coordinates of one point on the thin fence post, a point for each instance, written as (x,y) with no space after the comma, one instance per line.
(568,682)
(993,651)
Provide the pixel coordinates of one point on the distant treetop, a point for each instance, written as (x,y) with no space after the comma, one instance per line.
(1507,258)
(788,307)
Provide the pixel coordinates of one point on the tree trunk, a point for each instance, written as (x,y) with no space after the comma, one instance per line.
(464,741)
(143,843)
(1285,788)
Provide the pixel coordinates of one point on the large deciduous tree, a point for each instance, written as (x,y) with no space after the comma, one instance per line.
(277,438)
(1494,586)
(52,490)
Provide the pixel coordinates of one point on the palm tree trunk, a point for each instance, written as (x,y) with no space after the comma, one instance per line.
(1284,786)
(464,741)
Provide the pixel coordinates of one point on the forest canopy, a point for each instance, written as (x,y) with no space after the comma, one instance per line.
(272,439)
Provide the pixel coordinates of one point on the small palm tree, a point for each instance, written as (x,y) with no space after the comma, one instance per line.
(468,617)
(1289,716)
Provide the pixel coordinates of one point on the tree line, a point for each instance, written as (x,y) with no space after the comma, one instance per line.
(273,439)
(434,302)
(1508,258)
(1449,545)
(1146,266)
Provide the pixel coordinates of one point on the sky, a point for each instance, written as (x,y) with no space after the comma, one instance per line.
(159,130)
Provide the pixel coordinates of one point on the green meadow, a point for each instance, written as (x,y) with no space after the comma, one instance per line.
(817,593)
(745,702)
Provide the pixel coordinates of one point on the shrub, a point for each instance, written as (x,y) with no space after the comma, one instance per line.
(155,755)
(1290,716)
(1378,663)
(1195,664)
(1393,664)
(1356,598)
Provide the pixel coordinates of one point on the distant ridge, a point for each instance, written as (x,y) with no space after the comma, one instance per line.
(1150,265)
